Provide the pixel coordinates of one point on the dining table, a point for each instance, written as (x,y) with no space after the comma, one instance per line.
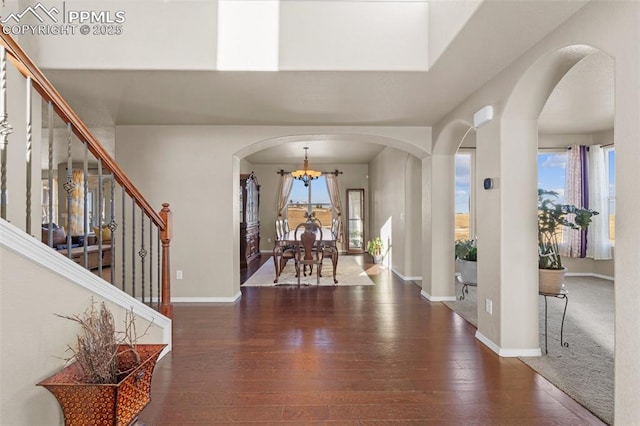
(290,239)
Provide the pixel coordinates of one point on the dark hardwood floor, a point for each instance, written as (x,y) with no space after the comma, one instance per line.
(343,356)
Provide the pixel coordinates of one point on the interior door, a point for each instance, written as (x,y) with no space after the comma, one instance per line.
(355,220)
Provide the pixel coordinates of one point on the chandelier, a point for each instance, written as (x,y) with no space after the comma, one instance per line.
(306,175)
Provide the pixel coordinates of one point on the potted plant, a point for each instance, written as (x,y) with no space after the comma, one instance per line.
(109,379)
(374,247)
(467,260)
(551,218)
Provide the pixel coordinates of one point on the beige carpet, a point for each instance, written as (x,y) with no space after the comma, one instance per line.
(585,368)
(349,272)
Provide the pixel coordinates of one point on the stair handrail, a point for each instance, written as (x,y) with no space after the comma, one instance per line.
(28,68)
(163,219)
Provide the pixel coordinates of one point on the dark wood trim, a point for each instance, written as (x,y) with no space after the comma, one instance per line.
(27,68)
(166,308)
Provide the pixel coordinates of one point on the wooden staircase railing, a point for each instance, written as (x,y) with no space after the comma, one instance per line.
(9,49)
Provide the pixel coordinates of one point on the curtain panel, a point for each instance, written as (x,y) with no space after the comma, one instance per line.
(334,196)
(571,238)
(599,246)
(286,183)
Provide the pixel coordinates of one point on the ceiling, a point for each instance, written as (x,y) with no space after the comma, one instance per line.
(583,101)
(320,152)
(335,98)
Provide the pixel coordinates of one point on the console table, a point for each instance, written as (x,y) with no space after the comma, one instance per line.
(564,294)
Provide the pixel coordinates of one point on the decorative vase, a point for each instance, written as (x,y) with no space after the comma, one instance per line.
(106,404)
(468,271)
(551,281)
(377,258)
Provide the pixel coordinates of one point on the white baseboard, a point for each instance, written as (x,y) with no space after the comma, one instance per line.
(604,277)
(206,299)
(403,278)
(589,274)
(507,353)
(431,298)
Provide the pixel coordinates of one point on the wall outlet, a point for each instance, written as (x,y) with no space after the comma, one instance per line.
(488,306)
(268,240)
(178,275)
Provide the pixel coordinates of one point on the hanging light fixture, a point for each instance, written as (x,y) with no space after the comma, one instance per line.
(306,175)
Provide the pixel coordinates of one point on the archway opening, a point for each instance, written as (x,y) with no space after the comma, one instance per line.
(356,157)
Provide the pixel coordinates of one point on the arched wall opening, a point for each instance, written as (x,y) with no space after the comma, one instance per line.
(523,118)
(507,152)
(402,164)
(439,224)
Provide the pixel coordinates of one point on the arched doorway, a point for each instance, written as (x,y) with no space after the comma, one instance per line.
(354,155)
(567,83)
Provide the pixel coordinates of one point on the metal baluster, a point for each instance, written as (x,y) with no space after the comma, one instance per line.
(142,253)
(69,186)
(50,177)
(99,221)
(124,232)
(5,130)
(133,248)
(85,214)
(113,225)
(29,148)
(150,261)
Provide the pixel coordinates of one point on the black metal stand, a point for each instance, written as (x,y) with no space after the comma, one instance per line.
(465,286)
(564,294)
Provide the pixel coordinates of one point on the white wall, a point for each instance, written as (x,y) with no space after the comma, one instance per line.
(313,35)
(391,196)
(334,35)
(412,268)
(183,34)
(31,295)
(446,19)
(245,166)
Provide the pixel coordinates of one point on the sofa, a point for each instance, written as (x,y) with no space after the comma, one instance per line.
(60,244)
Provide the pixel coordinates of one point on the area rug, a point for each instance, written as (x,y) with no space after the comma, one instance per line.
(584,370)
(348,273)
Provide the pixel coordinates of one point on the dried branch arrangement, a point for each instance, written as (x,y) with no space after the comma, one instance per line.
(99,344)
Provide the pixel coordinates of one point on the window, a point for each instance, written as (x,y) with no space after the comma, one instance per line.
(551,172)
(463,196)
(301,197)
(610,159)
(552,166)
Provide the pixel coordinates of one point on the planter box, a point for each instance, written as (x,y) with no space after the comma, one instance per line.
(468,271)
(105,404)
(551,281)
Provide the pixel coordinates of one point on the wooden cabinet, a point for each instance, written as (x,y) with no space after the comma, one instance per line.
(249,220)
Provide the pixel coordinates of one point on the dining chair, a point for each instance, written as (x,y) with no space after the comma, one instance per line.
(308,249)
(284,252)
